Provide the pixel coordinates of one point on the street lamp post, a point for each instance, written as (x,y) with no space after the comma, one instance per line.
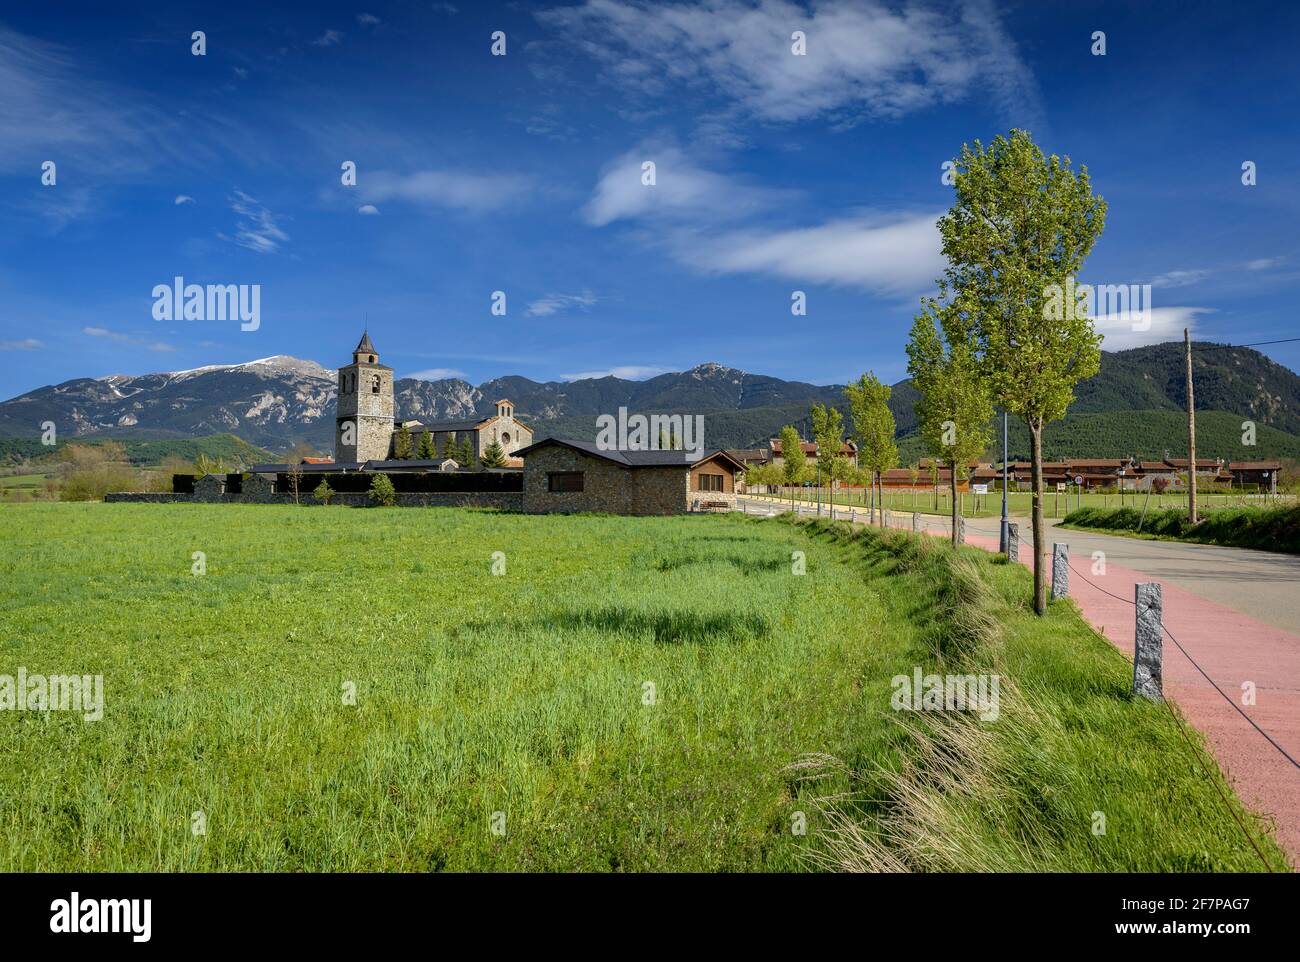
(1004,534)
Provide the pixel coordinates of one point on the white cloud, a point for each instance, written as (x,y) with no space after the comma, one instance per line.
(681,187)
(369,209)
(1127,329)
(554,303)
(327,39)
(446,188)
(627,372)
(257,228)
(1179,278)
(864,58)
(368,20)
(1264,263)
(437,374)
(891,254)
(183,199)
(26,344)
(127,339)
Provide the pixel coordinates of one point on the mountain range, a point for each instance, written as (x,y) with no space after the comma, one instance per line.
(1131,407)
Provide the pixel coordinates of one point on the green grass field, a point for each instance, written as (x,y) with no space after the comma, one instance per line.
(528,693)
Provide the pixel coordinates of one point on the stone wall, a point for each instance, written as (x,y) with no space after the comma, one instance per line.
(505,500)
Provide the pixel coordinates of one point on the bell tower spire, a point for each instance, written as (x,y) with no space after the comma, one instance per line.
(364,423)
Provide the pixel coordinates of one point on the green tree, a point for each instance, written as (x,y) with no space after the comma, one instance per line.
(1015,240)
(450,449)
(874,428)
(323,492)
(954,408)
(382,492)
(403,444)
(428,452)
(828,432)
(793,460)
(466,458)
(493,456)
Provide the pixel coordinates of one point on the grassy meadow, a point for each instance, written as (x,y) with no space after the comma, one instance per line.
(630,694)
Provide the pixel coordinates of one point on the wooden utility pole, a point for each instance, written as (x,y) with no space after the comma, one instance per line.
(1191,434)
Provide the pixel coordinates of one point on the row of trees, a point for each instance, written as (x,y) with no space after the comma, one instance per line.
(405,448)
(1001,331)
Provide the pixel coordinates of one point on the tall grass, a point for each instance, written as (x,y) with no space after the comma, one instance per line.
(1070,753)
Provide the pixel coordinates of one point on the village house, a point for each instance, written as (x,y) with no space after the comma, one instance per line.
(569,476)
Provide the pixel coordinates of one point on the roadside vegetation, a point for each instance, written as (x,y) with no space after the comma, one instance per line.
(1075,774)
(1266,529)
(346,689)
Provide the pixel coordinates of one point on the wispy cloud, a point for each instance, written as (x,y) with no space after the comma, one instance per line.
(681,187)
(1264,263)
(183,199)
(120,338)
(26,344)
(1127,329)
(257,228)
(1179,278)
(436,374)
(368,20)
(864,58)
(368,209)
(555,303)
(626,372)
(458,190)
(328,39)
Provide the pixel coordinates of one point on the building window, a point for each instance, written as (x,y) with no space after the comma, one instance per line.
(505,437)
(708,482)
(564,481)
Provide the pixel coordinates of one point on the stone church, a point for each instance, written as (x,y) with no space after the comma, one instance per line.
(366,428)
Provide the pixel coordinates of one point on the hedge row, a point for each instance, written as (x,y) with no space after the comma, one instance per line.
(1267,529)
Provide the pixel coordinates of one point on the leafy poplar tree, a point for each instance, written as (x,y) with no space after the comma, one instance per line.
(793,461)
(828,432)
(954,408)
(874,427)
(1015,239)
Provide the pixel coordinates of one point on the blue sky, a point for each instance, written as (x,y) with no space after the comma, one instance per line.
(521,173)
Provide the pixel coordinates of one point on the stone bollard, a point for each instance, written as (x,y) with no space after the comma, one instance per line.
(1060,570)
(961,530)
(853,515)
(1148,650)
(916,523)
(1013,541)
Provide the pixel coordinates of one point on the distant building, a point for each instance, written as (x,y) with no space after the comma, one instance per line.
(365,429)
(572,476)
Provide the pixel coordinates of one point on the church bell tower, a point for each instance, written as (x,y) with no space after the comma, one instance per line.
(364,429)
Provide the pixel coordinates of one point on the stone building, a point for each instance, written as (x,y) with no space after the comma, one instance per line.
(503,427)
(364,422)
(366,430)
(571,476)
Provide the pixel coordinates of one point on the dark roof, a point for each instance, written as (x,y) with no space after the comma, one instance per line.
(408,464)
(447,426)
(336,468)
(749,454)
(365,346)
(633,459)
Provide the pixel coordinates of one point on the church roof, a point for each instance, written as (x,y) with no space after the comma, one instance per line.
(365,346)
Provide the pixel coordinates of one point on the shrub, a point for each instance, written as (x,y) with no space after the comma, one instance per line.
(324,492)
(381,491)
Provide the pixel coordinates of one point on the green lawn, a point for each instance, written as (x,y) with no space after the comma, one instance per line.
(526,694)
